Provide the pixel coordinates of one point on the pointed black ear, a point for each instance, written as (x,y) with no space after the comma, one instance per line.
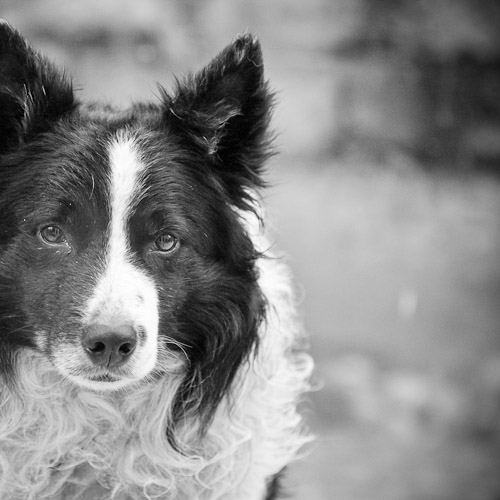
(224,112)
(33,93)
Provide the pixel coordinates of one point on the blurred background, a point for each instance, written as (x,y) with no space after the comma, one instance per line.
(385,198)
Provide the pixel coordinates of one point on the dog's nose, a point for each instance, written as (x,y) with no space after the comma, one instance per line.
(109,346)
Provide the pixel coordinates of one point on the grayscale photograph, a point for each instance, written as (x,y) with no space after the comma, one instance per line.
(249,250)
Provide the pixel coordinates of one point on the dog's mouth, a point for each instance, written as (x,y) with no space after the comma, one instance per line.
(106,377)
(101,382)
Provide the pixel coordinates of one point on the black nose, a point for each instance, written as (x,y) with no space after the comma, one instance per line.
(109,346)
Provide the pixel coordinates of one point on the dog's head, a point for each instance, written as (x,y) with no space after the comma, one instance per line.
(122,255)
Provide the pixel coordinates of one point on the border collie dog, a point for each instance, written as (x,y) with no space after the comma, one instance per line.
(149,347)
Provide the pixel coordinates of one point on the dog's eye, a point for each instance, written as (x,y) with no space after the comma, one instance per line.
(53,235)
(166,243)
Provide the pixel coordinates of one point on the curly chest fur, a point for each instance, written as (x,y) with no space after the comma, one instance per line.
(58,442)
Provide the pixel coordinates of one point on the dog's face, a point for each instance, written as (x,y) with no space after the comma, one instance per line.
(122,256)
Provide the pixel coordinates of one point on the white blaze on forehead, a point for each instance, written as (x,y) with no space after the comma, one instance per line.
(125,185)
(125,294)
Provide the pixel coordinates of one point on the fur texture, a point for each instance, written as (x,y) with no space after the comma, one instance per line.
(149,346)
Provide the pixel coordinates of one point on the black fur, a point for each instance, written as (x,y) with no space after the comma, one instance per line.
(223,112)
(33,94)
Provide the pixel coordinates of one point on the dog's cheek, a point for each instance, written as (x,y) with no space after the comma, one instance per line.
(171,286)
(216,323)
(51,299)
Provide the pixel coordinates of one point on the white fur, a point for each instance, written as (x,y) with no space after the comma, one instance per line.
(124,294)
(60,442)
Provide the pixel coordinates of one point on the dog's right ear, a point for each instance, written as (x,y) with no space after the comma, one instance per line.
(33,94)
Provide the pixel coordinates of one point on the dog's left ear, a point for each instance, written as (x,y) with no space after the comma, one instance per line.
(33,94)
(224,112)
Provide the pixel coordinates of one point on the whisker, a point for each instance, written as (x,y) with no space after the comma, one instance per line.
(179,345)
